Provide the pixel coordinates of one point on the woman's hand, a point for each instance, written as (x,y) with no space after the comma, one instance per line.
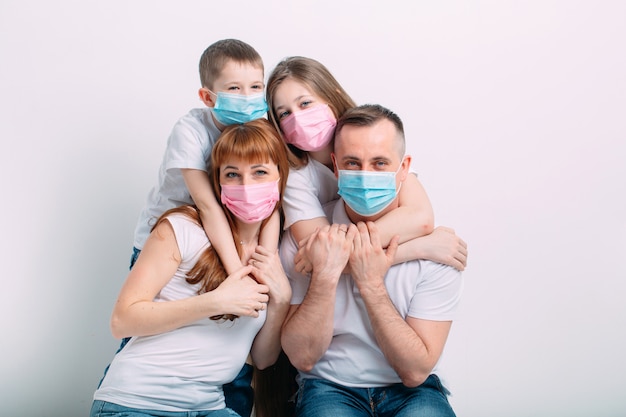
(241,295)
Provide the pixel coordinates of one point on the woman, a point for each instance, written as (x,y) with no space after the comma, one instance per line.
(191,326)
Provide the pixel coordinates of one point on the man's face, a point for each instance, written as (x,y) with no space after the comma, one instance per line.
(370,148)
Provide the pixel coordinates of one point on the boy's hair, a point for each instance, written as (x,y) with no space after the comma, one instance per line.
(215,57)
(370,114)
(319,79)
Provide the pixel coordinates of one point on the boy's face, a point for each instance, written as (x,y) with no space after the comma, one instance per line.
(239,78)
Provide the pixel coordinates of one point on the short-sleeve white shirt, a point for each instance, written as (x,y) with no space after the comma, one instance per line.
(183,369)
(188,147)
(308,189)
(420,289)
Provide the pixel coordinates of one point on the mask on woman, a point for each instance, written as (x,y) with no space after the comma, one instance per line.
(233,109)
(251,202)
(367,192)
(310,129)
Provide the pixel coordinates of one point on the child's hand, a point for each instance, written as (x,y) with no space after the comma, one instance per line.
(302,263)
(268,270)
(445,247)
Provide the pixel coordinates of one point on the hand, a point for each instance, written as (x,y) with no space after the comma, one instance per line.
(329,250)
(369,262)
(268,270)
(242,295)
(445,247)
(303,264)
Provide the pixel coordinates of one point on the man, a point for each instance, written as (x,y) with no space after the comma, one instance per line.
(367,343)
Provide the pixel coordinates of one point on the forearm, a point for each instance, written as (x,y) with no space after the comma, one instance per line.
(308,330)
(267,346)
(406,222)
(401,346)
(221,237)
(271,232)
(145,318)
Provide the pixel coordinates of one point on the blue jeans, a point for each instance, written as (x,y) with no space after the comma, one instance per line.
(106,409)
(238,394)
(322,398)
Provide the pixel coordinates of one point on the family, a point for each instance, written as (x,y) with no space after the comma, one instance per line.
(287,230)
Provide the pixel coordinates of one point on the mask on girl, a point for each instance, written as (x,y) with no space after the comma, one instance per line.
(310,129)
(253,202)
(367,192)
(233,109)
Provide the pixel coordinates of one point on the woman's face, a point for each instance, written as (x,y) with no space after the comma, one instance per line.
(238,172)
(292,96)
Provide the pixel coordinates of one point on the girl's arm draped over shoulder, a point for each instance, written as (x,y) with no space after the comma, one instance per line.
(414,216)
(213,218)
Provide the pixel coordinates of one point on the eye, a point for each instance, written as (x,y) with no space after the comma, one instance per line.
(231,174)
(306,103)
(281,115)
(233,88)
(381,165)
(351,164)
(257,87)
(260,172)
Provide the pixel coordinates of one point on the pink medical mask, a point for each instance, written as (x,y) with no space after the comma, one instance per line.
(251,202)
(310,129)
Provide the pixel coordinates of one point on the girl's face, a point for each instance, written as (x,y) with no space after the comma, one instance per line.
(239,172)
(292,96)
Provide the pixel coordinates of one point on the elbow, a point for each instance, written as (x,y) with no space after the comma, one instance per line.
(116,327)
(414,379)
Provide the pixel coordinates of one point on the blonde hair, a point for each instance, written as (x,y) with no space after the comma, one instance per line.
(319,79)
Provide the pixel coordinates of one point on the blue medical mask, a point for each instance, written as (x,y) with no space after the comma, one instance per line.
(367,192)
(233,109)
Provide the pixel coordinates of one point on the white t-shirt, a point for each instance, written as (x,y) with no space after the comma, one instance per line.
(420,289)
(183,369)
(308,189)
(188,147)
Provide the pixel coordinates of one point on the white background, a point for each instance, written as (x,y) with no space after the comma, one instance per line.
(515,116)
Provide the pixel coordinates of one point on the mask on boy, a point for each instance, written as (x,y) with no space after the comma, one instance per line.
(233,109)
(367,192)
(253,202)
(310,129)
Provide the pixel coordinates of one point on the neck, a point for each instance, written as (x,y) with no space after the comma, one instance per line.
(249,233)
(323,156)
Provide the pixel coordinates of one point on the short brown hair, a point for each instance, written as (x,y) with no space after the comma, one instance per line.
(368,115)
(215,57)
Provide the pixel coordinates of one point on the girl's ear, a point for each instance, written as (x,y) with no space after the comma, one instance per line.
(206,96)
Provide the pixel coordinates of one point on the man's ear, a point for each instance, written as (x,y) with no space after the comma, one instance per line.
(206,96)
(335,169)
(405,166)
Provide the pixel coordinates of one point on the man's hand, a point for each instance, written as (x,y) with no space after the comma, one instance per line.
(369,262)
(329,250)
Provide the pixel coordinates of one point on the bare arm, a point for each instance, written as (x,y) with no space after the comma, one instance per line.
(414,216)
(268,270)
(211,213)
(308,330)
(137,314)
(412,346)
(271,232)
(442,246)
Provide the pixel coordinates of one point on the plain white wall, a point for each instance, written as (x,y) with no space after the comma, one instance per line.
(515,116)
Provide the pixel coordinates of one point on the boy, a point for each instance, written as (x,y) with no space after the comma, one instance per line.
(232,88)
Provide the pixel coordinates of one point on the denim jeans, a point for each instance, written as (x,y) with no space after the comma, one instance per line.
(322,398)
(238,394)
(106,409)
